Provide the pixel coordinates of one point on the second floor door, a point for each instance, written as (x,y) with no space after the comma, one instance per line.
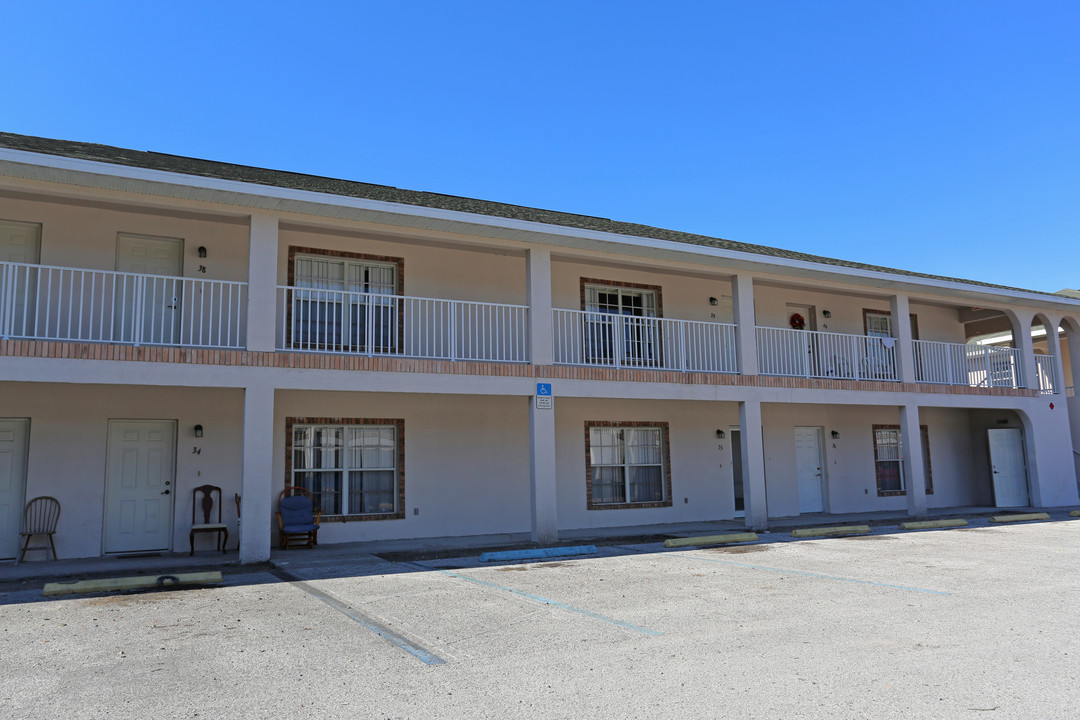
(148,301)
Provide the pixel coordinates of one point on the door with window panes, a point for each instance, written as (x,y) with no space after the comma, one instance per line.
(879,325)
(344,305)
(621,326)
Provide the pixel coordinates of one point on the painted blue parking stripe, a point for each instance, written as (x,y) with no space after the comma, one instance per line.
(537,553)
(544,601)
(371,624)
(804,573)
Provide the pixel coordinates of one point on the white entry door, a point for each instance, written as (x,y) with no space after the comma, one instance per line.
(149,306)
(19,243)
(139,485)
(809,469)
(1008,467)
(13,437)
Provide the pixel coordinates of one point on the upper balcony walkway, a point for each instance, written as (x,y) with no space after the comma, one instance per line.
(46,303)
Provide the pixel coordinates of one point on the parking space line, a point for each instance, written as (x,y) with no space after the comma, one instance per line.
(805,573)
(371,624)
(543,600)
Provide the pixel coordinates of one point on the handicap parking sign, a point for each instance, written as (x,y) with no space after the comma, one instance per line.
(544,399)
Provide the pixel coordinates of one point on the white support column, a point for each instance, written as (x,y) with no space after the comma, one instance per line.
(905,349)
(538,289)
(753,462)
(255,483)
(742,294)
(1049,454)
(542,472)
(262,283)
(912,458)
(1053,343)
(1021,322)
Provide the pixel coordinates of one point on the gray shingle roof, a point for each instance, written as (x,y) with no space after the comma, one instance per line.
(348,188)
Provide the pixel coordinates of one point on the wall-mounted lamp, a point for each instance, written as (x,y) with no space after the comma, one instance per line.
(835,435)
(198,431)
(720,434)
(713,301)
(202,251)
(826,314)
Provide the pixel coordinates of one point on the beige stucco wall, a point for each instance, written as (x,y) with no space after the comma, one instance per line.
(84,236)
(68,446)
(466,461)
(430,271)
(935,322)
(700,470)
(684,297)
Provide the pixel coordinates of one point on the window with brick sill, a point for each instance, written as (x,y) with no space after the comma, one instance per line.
(889,460)
(627,465)
(353,467)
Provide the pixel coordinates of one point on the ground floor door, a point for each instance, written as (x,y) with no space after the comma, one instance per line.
(139,476)
(809,469)
(13,442)
(1008,466)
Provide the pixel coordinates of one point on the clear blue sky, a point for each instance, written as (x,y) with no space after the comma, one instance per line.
(939,136)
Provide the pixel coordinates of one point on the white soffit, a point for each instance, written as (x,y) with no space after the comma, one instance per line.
(164,184)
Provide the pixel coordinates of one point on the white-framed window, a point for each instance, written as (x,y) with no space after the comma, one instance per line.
(889,460)
(350,469)
(627,465)
(344,304)
(636,309)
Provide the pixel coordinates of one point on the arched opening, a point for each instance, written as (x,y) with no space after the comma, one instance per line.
(1070,363)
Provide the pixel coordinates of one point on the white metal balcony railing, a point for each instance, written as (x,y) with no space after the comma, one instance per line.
(942,363)
(814,354)
(608,340)
(354,323)
(40,302)
(1046,367)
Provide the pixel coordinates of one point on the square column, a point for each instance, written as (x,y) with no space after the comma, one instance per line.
(912,458)
(901,327)
(256,512)
(538,290)
(742,295)
(542,473)
(752,451)
(262,283)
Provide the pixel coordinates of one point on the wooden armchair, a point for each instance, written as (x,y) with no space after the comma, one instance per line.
(298,520)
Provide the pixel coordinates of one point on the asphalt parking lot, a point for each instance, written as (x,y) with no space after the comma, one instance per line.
(978,622)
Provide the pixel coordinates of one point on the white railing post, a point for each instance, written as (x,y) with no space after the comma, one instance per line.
(682,347)
(452,334)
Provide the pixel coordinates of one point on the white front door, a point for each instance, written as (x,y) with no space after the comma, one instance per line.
(149,306)
(809,469)
(1008,467)
(19,243)
(13,437)
(139,485)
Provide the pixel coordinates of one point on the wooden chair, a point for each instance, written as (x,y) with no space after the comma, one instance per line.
(207,507)
(40,517)
(298,520)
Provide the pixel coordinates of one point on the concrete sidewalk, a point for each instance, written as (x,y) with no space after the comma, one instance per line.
(364,552)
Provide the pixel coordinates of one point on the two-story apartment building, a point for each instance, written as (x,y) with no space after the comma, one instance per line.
(437,366)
